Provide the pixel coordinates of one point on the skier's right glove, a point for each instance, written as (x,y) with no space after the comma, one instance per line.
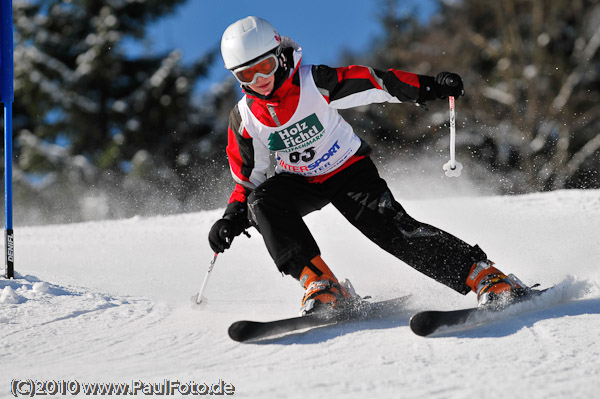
(234,222)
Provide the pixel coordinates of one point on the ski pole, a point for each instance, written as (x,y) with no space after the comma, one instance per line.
(452,167)
(198,300)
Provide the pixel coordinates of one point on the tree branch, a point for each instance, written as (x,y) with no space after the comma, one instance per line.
(578,73)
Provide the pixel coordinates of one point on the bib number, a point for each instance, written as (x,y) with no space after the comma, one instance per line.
(306,155)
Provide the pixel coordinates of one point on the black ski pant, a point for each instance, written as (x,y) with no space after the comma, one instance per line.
(278,205)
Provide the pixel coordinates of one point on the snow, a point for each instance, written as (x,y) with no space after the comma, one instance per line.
(109,302)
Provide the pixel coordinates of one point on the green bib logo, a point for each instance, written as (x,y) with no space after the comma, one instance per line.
(296,136)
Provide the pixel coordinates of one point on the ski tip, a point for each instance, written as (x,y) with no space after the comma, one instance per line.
(244,330)
(420,324)
(238,331)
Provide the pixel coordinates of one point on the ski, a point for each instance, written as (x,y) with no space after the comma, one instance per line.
(428,322)
(245,330)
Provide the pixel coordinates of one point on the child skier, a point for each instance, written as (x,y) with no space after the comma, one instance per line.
(291,109)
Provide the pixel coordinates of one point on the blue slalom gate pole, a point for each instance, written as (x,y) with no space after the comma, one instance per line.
(7,97)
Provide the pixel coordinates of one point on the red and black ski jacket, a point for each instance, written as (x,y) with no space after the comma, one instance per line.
(342,87)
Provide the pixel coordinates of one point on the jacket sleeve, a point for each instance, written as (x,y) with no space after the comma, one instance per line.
(356,85)
(248,158)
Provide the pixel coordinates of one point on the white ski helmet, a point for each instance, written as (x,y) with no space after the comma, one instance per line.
(247,39)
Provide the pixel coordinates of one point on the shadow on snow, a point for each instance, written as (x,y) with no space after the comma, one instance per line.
(511,324)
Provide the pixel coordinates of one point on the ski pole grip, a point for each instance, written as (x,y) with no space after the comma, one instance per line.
(224,232)
(450,81)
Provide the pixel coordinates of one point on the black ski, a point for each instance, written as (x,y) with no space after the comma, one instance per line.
(428,322)
(245,330)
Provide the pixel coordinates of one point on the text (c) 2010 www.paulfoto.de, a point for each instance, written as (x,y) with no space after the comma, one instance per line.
(30,387)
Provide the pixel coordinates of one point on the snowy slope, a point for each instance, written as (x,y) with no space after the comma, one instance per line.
(108,302)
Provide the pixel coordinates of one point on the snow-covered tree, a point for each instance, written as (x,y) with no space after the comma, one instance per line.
(532,73)
(91,119)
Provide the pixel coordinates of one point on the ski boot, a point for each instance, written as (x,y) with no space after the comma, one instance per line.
(494,288)
(323,290)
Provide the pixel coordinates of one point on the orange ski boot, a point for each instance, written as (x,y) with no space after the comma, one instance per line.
(323,290)
(494,288)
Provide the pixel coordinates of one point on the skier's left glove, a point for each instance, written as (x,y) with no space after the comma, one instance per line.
(443,85)
(232,224)
(448,84)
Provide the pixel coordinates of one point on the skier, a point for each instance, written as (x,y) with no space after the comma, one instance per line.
(291,109)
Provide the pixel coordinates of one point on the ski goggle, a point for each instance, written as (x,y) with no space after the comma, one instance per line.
(264,67)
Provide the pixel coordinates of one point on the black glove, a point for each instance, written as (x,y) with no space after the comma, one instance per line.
(448,84)
(234,222)
(221,235)
(443,85)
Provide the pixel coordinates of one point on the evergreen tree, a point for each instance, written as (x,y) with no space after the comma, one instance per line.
(532,72)
(91,121)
